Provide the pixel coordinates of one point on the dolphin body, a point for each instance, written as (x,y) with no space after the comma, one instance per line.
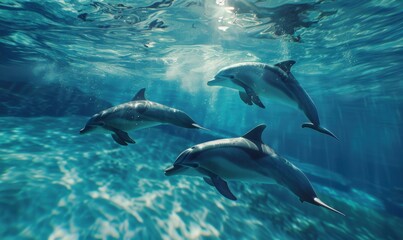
(244,158)
(255,80)
(137,114)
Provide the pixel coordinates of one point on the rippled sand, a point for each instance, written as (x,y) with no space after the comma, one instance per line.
(57,184)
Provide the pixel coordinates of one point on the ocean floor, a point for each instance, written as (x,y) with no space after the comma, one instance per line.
(57,184)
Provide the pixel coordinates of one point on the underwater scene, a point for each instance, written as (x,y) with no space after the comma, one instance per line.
(192,119)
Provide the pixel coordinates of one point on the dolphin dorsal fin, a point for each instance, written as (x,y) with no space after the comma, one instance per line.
(286,65)
(139,95)
(256,133)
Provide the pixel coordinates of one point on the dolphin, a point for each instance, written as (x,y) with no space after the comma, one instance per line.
(244,158)
(255,80)
(137,114)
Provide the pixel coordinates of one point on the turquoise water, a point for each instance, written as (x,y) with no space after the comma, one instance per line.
(62,61)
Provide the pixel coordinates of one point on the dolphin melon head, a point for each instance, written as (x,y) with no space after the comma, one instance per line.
(236,75)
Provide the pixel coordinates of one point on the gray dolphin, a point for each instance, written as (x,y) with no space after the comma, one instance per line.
(274,82)
(137,114)
(244,158)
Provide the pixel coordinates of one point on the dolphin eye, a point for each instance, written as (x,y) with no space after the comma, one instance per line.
(232,76)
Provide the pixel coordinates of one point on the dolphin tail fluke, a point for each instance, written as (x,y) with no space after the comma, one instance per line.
(195,125)
(319,129)
(318,202)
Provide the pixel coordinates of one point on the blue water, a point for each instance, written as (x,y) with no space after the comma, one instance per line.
(62,61)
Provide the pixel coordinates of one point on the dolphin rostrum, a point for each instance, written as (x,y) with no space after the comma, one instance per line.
(244,158)
(137,114)
(255,80)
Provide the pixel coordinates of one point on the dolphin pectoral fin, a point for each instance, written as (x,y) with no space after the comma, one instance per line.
(125,136)
(121,135)
(208,181)
(251,94)
(245,98)
(118,139)
(256,101)
(319,129)
(254,97)
(222,187)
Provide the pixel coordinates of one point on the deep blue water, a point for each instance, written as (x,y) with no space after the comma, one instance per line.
(62,61)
